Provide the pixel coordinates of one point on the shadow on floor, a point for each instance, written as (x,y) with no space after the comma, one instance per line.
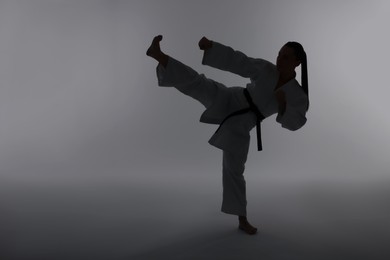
(231,244)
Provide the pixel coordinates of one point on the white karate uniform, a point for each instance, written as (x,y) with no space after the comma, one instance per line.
(233,136)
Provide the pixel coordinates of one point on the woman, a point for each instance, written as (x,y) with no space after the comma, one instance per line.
(273,89)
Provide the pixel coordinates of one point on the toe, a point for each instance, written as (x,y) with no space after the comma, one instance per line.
(158,38)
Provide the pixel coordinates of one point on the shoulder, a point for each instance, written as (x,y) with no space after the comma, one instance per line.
(294,88)
(264,68)
(294,92)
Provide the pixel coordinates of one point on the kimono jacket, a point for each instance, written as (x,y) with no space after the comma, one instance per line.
(233,135)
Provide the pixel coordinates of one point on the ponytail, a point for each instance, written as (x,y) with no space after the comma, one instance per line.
(301,55)
(304,80)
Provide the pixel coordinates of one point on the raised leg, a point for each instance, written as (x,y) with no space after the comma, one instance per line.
(155,52)
(173,73)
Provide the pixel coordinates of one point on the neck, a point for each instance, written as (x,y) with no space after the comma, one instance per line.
(287,76)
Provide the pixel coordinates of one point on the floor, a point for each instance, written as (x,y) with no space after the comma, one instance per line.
(166,219)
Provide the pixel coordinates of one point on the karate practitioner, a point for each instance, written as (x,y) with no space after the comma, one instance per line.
(272,89)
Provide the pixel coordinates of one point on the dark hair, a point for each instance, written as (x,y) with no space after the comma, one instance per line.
(301,55)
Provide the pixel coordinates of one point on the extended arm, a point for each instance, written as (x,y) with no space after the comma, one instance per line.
(225,58)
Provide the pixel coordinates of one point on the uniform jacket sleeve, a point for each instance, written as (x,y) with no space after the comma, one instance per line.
(225,58)
(294,116)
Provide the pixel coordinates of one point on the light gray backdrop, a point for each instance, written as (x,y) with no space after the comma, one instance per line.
(81,114)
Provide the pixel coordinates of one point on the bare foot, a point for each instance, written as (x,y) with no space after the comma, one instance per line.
(247,227)
(154,50)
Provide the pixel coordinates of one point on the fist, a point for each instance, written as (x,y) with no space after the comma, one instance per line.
(205,43)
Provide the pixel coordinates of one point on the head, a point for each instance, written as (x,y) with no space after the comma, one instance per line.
(291,55)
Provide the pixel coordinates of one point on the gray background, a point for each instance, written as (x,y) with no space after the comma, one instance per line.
(96,161)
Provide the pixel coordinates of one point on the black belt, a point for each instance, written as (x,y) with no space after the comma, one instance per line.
(259,117)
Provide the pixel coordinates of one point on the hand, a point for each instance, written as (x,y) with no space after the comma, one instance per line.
(205,43)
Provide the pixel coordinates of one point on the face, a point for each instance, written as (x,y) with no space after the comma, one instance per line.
(287,61)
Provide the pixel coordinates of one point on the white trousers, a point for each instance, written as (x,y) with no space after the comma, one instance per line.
(197,86)
(234,186)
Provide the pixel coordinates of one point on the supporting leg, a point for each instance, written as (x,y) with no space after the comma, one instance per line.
(245,226)
(234,189)
(234,185)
